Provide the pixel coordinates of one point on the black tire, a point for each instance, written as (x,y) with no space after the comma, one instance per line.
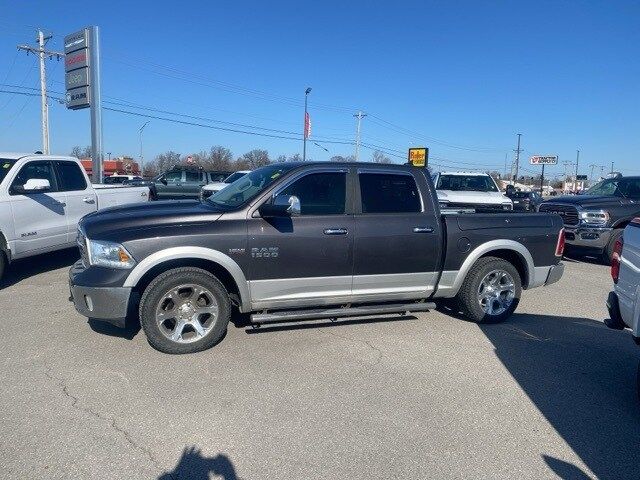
(607,256)
(3,263)
(157,292)
(467,298)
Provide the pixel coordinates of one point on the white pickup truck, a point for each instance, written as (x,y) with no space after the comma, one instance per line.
(473,191)
(42,199)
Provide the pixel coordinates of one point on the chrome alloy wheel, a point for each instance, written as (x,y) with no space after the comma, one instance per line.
(187,313)
(496,292)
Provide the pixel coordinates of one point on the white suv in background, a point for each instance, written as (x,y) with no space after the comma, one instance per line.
(214,187)
(470,191)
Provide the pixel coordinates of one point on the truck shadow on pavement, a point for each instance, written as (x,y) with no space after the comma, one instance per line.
(582,377)
(193,465)
(22,269)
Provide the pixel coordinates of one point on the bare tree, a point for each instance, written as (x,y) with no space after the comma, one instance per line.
(80,152)
(166,160)
(220,158)
(281,159)
(380,157)
(296,157)
(253,159)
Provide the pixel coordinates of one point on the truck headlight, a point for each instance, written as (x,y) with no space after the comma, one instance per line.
(594,217)
(507,206)
(109,254)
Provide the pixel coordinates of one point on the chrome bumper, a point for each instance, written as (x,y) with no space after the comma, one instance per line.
(591,237)
(555,274)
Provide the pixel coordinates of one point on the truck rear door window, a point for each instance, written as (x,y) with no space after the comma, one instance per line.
(70,177)
(389,193)
(320,193)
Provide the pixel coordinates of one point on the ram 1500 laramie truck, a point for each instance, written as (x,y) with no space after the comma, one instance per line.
(301,241)
(42,199)
(594,220)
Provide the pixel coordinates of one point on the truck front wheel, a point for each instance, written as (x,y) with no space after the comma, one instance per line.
(184,310)
(491,291)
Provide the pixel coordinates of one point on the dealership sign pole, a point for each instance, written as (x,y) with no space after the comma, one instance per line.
(82,83)
(543,160)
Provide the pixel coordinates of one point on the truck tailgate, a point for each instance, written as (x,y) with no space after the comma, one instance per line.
(113,196)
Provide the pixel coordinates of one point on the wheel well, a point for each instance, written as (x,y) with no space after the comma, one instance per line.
(515,259)
(215,269)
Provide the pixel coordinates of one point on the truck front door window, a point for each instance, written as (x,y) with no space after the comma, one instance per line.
(320,193)
(34,170)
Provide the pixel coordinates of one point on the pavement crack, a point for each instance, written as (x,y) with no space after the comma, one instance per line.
(363,342)
(75,403)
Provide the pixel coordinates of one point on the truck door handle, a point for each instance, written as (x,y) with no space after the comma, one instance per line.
(335,231)
(89,200)
(422,230)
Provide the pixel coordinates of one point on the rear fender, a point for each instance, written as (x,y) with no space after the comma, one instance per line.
(451,281)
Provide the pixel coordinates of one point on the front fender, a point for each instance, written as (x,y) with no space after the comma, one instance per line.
(176,253)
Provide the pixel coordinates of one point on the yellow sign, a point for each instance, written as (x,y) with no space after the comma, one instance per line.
(419,157)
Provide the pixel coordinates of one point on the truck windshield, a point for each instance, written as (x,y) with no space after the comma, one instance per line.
(249,186)
(466,183)
(5,166)
(234,176)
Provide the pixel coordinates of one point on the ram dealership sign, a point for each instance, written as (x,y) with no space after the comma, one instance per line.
(544,160)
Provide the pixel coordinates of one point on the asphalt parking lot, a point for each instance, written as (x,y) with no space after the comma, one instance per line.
(549,393)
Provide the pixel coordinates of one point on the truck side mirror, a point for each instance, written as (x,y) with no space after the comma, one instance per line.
(281,206)
(34,185)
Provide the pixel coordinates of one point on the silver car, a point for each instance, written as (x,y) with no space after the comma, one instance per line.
(623,302)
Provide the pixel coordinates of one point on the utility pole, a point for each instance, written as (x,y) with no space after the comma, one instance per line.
(517,150)
(359,116)
(306,128)
(42,54)
(141,157)
(591,176)
(611,167)
(505,165)
(577,159)
(566,164)
(601,171)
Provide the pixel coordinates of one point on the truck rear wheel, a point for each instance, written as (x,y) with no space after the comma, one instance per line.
(491,291)
(184,310)
(3,262)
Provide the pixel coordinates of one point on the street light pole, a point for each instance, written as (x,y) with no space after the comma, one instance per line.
(304,125)
(141,157)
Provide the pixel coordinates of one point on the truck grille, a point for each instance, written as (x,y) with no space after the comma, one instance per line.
(568,213)
(81,240)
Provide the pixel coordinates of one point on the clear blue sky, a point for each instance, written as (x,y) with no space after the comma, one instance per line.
(463,77)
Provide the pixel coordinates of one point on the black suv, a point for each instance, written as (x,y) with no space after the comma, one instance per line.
(594,220)
(525,201)
(184,183)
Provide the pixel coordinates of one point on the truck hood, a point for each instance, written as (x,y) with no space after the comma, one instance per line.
(146,215)
(588,201)
(485,198)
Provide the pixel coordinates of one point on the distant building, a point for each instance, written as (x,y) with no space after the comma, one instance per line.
(117,165)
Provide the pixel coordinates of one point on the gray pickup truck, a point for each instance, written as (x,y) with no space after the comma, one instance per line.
(303,241)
